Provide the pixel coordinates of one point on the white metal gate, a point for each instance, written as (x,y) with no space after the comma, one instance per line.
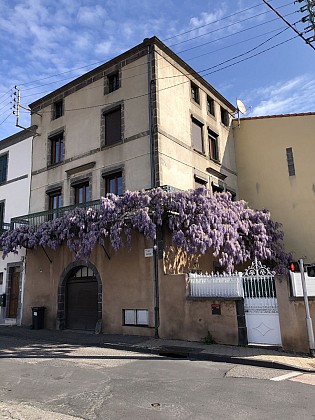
(261,307)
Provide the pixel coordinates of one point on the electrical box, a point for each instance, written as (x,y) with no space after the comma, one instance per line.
(3,299)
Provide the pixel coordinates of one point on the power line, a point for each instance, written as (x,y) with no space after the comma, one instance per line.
(140,65)
(181,83)
(102,61)
(5,119)
(227,26)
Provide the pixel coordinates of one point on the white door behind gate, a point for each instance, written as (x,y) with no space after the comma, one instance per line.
(261,307)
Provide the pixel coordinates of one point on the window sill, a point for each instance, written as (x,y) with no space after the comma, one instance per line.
(215,161)
(54,165)
(200,153)
(105,146)
(136,325)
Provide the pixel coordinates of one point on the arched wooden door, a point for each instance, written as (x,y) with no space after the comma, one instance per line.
(81,299)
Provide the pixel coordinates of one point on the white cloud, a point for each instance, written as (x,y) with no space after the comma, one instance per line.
(91,15)
(290,96)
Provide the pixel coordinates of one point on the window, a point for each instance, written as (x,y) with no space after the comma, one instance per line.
(1,278)
(194,92)
(3,167)
(56,149)
(1,215)
(136,317)
(113,82)
(112,126)
(210,105)
(58,109)
(81,193)
(213,146)
(290,161)
(55,202)
(217,188)
(199,183)
(224,116)
(113,183)
(197,138)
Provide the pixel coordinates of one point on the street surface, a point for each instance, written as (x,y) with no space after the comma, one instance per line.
(62,382)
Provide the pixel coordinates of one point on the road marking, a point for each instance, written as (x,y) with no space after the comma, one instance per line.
(286,376)
(307,378)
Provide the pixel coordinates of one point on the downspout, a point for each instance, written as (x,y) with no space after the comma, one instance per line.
(152,174)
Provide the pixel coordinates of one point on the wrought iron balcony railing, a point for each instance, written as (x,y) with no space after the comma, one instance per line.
(36,219)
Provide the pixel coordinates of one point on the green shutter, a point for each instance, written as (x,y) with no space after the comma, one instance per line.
(3,167)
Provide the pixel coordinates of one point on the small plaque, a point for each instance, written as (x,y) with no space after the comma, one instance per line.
(216,309)
(148,252)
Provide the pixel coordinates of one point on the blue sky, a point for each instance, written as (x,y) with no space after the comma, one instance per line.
(40,39)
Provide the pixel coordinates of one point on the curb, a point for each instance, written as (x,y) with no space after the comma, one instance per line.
(167,351)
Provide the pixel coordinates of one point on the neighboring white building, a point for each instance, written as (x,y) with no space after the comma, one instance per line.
(15,178)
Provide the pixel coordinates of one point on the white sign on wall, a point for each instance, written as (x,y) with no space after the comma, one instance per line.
(148,252)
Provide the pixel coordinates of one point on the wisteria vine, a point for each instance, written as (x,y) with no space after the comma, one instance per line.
(197,220)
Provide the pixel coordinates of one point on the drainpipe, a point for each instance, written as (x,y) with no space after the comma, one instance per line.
(152,174)
(152,169)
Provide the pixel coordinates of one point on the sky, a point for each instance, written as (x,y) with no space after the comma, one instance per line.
(241,47)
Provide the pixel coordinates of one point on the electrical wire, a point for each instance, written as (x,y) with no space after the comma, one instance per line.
(181,83)
(228,26)
(192,48)
(102,61)
(5,119)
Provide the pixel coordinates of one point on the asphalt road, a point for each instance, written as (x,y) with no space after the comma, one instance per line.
(52,382)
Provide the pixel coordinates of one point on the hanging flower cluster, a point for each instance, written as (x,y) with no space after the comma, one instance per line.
(198,221)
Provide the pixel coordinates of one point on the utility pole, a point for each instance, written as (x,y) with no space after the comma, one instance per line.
(309,324)
(307,40)
(309,7)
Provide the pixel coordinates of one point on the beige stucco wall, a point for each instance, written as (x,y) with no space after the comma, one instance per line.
(192,319)
(82,137)
(126,280)
(263,177)
(292,317)
(179,162)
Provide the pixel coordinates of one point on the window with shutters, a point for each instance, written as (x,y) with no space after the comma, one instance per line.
(1,215)
(112,126)
(3,167)
(213,146)
(290,161)
(197,137)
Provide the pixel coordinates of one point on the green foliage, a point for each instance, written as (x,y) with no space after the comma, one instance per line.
(208,339)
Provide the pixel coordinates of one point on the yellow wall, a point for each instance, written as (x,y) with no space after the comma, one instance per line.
(263,177)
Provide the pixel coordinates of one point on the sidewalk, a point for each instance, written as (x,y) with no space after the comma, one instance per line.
(255,356)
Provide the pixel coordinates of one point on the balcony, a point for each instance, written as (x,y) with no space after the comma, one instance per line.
(36,219)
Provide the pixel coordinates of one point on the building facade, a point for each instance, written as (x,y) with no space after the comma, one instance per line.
(275,170)
(15,180)
(142,120)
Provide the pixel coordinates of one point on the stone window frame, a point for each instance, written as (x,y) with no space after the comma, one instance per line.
(52,191)
(110,171)
(78,180)
(194,92)
(110,73)
(210,106)
(106,110)
(196,121)
(50,137)
(54,105)
(225,116)
(211,135)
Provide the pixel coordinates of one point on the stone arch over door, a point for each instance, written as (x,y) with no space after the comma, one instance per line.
(62,291)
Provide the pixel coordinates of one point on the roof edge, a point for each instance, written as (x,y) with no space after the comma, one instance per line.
(301,114)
